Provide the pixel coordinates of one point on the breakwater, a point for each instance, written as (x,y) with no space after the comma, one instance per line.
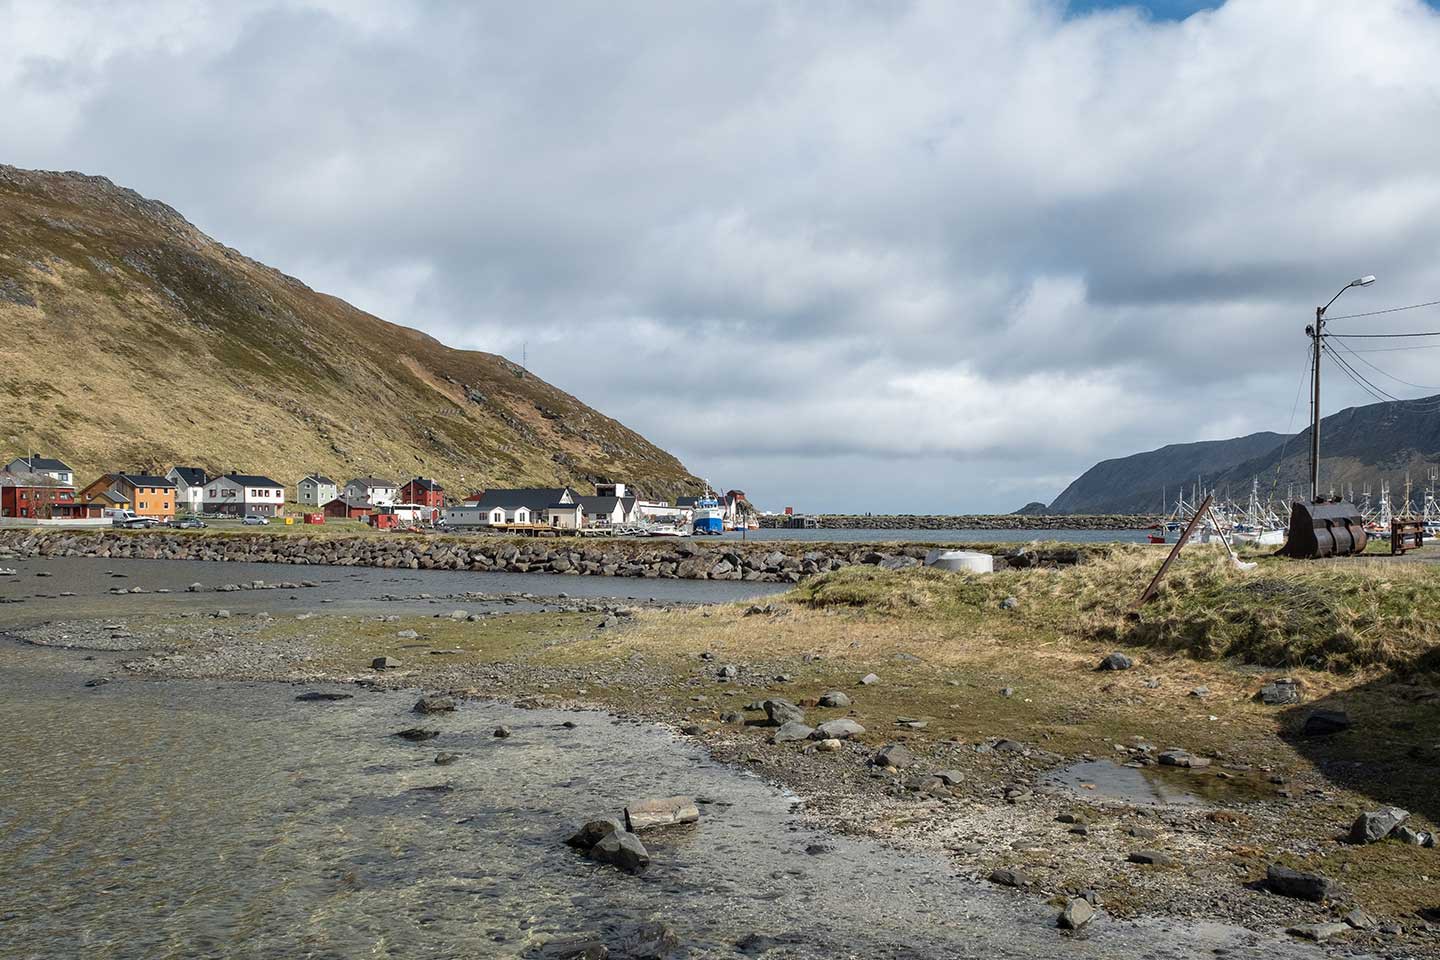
(1007,521)
(770,562)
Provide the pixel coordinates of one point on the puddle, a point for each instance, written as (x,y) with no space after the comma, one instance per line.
(1169,786)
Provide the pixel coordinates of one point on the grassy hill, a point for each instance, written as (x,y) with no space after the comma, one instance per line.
(135,341)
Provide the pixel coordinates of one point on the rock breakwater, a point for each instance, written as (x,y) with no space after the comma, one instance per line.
(1007,521)
(685,560)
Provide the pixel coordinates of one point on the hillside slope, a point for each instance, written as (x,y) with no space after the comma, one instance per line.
(1134,484)
(1359,446)
(132,340)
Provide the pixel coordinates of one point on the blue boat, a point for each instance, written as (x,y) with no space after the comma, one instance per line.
(709,516)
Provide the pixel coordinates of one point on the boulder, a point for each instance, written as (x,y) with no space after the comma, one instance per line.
(502,732)
(662,812)
(1323,723)
(384,663)
(1078,912)
(1116,661)
(407,635)
(417,734)
(1279,693)
(434,705)
(728,672)
(1375,825)
(834,699)
(1298,884)
(781,712)
(622,849)
(1008,877)
(830,745)
(792,730)
(869,679)
(592,831)
(445,759)
(893,755)
(1152,858)
(1183,758)
(841,729)
(1318,931)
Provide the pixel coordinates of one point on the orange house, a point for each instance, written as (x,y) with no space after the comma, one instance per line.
(149,496)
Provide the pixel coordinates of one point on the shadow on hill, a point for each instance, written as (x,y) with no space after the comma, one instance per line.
(1390,752)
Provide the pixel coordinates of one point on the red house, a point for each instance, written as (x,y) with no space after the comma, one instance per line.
(36,501)
(423,491)
(342,508)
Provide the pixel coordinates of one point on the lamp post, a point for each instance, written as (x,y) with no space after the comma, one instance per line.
(1317,334)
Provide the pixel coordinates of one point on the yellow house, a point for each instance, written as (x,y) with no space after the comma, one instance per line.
(147,495)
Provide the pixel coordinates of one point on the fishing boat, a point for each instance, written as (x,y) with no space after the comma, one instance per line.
(709,516)
(666,530)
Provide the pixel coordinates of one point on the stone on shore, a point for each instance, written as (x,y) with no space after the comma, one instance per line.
(1375,825)
(384,663)
(828,745)
(1116,661)
(445,759)
(1319,932)
(649,941)
(834,699)
(1152,858)
(792,730)
(1008,877)
(1323,723)
(1279,693)
(869,679)
(893,755)
(1298,884)
(417,734)
(781,712)
(1078,912)
(662,812)
(593,831)
(841,729)
(1183,758)
(501,732)
(434,705)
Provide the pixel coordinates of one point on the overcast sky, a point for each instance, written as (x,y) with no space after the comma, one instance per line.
(874,256)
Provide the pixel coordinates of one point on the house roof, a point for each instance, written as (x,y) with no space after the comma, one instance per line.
(9,479)
(352,503)
(605,504)
(370,482)
(536,498)
(564,506)
(193,476)
(37,464)
(425,483)
(250,480)
(145,480)
(686,501)
(318,478)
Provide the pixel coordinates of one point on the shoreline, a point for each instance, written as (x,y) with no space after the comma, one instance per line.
(968,521)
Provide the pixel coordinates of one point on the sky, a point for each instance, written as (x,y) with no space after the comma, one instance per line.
(856,255)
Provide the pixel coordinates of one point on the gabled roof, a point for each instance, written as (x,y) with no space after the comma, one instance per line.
(37,464)
(318,478)
(425,483)
(605,504)
(536,498)
(250,480)
(353,503)
(9,479)
(144,480)
(193,476)
(565,506)
(370,482)
(687,501)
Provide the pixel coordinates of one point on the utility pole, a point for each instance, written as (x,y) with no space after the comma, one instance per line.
(1317,334)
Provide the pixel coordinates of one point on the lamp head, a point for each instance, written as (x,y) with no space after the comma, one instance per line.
(1362,282)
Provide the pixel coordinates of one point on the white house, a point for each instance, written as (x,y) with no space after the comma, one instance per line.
(607,511)
(316,490)
(382,493)
(189,488)
(526,505)
(241,495)
(44,466)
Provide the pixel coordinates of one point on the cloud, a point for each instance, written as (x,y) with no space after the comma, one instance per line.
(819,252)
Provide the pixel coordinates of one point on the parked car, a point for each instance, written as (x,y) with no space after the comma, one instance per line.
(189,523)
(254,521)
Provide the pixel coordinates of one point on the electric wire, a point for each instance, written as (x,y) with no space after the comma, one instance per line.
(1376,313)
(1417,386)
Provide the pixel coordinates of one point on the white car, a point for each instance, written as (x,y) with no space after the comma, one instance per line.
(254,521)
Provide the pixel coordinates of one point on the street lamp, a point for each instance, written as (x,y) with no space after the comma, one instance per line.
(1317,334)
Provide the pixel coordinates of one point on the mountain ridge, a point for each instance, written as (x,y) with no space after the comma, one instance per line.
(187,351)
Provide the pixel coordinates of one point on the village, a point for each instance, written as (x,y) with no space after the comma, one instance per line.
(42,491)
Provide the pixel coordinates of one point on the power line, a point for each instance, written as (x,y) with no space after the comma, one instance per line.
(1380,336)
(1376,313)
(1417,386)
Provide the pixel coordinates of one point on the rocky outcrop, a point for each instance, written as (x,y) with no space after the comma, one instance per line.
(763,562)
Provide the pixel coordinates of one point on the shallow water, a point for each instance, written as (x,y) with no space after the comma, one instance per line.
(1169,786)
(196,819)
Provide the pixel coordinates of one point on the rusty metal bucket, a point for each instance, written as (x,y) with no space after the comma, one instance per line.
(1324,530)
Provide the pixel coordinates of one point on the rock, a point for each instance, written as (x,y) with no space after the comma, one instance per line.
(459,614)
(622,849)
(407,635)
(649,941)
(1009,603)
(434,705)
(1182,758)
(97,682)
(869,679)
(445,759)
(781,712)
(592,831)
(418,734)
(1359,919)
(1295,883)
(1200,692)
(1323,723)
(663,812)
(195,587)
(1078,912)
(951,778)
(502,732)
(313,696)
(792,730)
(1375,825)
(834,699)
(732,717)
(579,947)
(1008,877)
(893,755)
(830,745)
(384,663)
(222,614)
(728,672)
(1153,858)
(1279,693)
(1318,931)
(841,729)
(1071,817)
(1410,837)
(1116,661)
(1007,692)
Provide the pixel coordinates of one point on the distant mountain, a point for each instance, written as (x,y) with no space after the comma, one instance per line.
(133,341)
(1359,446)
(1032,509)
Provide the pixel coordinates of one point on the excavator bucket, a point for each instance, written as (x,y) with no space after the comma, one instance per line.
(1324,530)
